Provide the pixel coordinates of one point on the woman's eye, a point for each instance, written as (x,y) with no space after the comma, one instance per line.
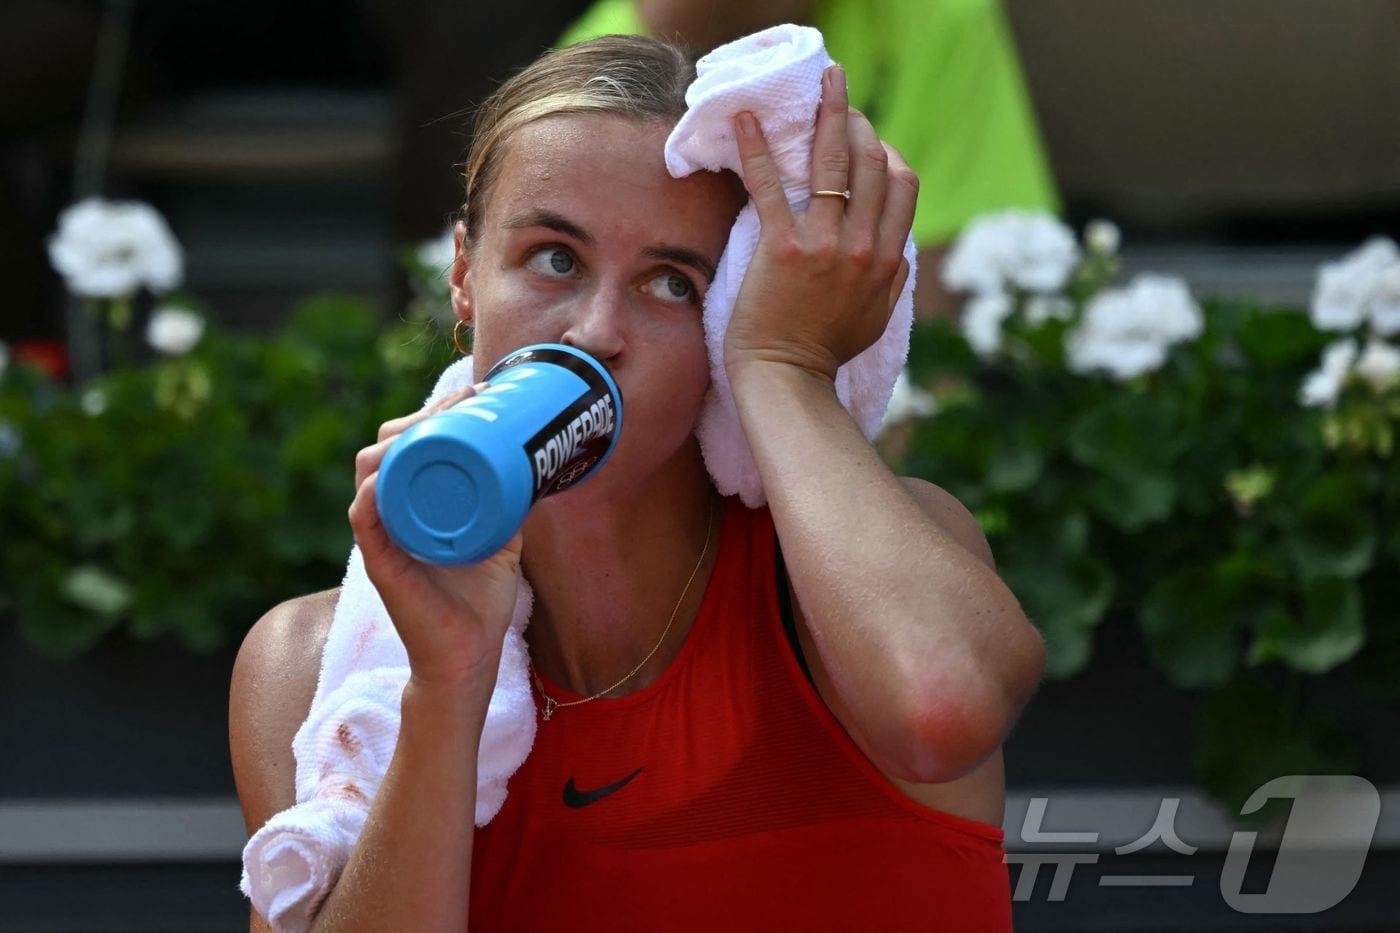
(553,261)
(671,286)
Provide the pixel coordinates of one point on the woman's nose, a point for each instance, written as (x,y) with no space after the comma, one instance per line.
(596,324)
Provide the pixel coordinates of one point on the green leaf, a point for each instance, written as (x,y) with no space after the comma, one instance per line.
(184,516)
(148,623)
(340,324)
(1069,533)
(1279,338)
(1126,435)
(1130,444)
(304,535)
(1066,600)
(1192,628)
(950,448)
(1332,534)
(289,365)
(60,632)
(1329,631)
(937,346)
(201,634)
(318,439)
(1131,501)
(1016,462)
(92,588)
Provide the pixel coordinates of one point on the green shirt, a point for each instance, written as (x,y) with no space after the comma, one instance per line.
(941,82)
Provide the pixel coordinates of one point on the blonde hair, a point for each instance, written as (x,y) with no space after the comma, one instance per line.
(631,76)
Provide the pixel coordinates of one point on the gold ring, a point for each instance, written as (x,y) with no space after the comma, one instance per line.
(838,194)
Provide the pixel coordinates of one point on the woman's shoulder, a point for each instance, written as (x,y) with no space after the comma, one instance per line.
(270,691)
(289,638)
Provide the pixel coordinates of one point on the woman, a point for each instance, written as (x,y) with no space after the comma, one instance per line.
(707,758)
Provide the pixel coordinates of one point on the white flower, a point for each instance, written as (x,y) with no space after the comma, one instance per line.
(1379,364)
(107,249)
(1324,384)
(1349,290)
(908,401)
(981,321)
(1041,308)
(437,254)
(173,330)
(1385,307)
(1103,237)
(1127,331)
(433,259)
(94,401)
(1030,249)
(1124,359)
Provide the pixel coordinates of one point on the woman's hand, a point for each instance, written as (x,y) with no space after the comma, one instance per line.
(822,285)
(452,620)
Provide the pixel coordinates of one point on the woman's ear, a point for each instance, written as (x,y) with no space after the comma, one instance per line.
(459,277)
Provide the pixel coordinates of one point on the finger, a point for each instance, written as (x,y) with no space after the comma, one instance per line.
(831,156)
(761,176)
(901,193)
(869,174)
(368,459)
(399,425)
(450,399)
(378,549)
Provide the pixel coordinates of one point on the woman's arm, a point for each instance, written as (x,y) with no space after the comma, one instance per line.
(270,692)
(924,643)
(922,640)
(411,867)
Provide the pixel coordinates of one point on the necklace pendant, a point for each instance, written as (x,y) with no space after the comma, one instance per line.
(549,705)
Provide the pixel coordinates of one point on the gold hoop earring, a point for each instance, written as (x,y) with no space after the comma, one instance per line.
(455,341)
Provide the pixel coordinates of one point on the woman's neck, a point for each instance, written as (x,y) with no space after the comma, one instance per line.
(607,575)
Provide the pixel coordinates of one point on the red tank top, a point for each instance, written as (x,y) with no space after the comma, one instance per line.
(725,796)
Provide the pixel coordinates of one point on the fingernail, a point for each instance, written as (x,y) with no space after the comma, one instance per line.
(747,124)
(840,77)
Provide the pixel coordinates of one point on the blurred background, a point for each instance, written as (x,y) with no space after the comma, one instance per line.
(297,165)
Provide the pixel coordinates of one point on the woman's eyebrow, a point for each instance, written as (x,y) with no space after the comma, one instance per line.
(683,255)
(539,217)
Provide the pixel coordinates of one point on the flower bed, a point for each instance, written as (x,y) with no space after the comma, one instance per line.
(1221,476)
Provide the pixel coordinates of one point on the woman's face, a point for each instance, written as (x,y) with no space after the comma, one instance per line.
(586,240)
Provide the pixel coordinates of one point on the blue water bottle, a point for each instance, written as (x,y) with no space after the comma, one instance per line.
(454,488)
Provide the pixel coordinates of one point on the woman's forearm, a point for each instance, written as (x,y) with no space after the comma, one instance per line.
(411,867)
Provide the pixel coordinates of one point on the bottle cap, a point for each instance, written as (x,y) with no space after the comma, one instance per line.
(455,487)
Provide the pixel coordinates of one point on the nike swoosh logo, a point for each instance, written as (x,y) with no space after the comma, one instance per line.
(573,797)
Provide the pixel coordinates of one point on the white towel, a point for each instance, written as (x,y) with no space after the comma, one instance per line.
(777,75)
(344,747)
(291,863)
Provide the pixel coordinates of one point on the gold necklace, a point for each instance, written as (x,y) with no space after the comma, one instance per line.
(550,704)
